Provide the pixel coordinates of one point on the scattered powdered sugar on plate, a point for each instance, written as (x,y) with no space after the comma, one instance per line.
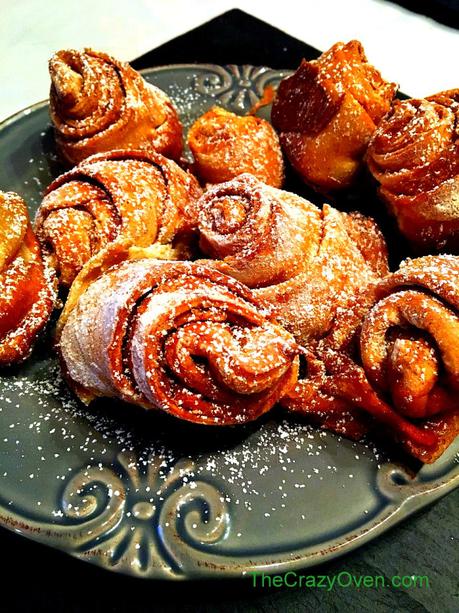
(188,102)
(48,435)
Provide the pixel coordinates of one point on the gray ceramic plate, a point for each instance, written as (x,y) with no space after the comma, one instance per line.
(142,494)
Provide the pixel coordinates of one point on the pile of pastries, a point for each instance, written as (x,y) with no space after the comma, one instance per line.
(206,291)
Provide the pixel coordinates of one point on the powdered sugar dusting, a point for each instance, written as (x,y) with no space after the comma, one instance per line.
(47,436)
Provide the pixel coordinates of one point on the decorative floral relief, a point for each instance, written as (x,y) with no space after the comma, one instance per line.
(238,87)
(149,519)
(139,519)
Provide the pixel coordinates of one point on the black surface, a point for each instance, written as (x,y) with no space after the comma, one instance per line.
(443,11)
(232,38)
(36,578)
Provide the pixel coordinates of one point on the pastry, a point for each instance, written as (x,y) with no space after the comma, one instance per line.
(326,112)
(121,194)
(98,103)
(178,336)
(304,263)
(414,155)
(392,361)
(409,346)
(27,285)
(225,145)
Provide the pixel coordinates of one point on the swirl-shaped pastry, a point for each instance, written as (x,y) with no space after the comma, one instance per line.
(225,145)
(303,262)
(326,112)
(409,341)
(407,346)
(27,285)
(414,154)
(98,103)
(178,336)
(121,194)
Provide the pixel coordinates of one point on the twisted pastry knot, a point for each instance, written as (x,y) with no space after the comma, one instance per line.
(414,154)
(225,145)
(98,104)
(178,336)
(326,113)
(121,194)
(27,288)
(304,263)
(408,350)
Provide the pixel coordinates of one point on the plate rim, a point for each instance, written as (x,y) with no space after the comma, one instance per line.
(230,567)
(407,498)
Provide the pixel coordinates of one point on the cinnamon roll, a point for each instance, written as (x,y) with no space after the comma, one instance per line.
(225,145)
(393,362)
(303,262)
(121,194)
(27,285)
(98,103)
(326,112)
(414,155)
(177,336)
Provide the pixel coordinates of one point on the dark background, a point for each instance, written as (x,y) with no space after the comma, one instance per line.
(443,11)
(36,578)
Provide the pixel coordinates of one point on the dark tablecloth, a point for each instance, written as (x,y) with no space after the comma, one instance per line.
(37,578)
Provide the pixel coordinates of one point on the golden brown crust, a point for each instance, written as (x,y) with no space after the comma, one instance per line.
(264,235)
(225,145)
(178,336)
(136,195)
(327,111)
(98,103)
(403,371)
(414,154)
(27,285)
(409,347)
(446,429)
(303,262)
